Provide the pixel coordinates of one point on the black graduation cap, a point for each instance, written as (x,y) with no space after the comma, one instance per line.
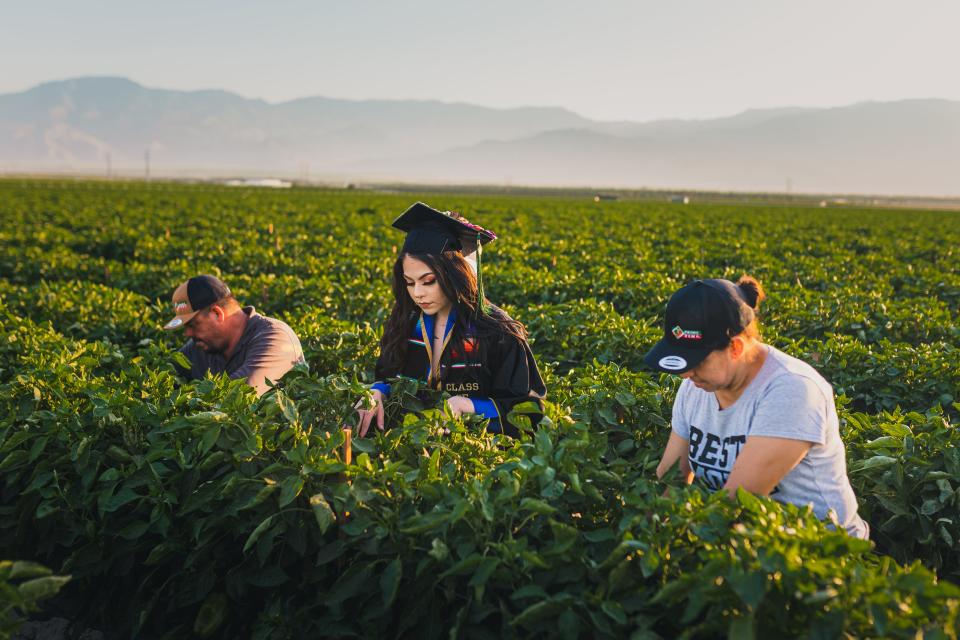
(432,232)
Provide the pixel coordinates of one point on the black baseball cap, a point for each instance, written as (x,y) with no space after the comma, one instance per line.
(195,295)
(700,318)
(430,231)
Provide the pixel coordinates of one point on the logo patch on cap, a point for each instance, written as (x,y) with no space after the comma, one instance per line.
(672,363)
(686,334)
(176,322)
(178,307)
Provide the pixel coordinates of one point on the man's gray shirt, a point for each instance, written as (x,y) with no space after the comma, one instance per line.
(787,399)
(267,349)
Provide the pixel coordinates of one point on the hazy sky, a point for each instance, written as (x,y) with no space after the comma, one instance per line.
(636,60)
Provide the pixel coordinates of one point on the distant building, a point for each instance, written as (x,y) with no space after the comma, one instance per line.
(270,183)
(603,197)
(680,199)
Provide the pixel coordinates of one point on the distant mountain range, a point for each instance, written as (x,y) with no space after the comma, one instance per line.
(909,147)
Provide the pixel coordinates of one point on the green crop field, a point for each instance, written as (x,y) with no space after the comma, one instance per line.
(197,509)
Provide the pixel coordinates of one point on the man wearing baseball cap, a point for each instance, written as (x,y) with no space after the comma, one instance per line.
(748,415)
(227,338)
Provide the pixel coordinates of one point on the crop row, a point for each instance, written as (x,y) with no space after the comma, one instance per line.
(198,507)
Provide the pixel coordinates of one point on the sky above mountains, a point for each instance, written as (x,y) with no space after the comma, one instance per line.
(616,60)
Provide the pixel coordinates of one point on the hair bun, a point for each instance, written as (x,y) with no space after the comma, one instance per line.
(752,291)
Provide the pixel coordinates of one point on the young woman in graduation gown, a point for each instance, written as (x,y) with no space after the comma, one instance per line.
(443,332)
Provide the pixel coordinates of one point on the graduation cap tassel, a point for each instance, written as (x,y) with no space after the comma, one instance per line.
(480,294)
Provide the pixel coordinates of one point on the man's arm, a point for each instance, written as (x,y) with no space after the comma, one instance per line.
(269,356)
(763,462)
(189,351)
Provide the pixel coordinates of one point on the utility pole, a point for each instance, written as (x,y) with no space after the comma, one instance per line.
(109,168)
(146,164)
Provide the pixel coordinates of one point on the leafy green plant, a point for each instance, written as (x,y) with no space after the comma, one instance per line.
(904,468)
(23,585)
(198,508)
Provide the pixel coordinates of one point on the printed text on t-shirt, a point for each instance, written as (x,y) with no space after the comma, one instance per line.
(712,458)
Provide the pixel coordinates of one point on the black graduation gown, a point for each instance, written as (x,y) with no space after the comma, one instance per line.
(496,373)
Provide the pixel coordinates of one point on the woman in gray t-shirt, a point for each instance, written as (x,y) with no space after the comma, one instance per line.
(748,415)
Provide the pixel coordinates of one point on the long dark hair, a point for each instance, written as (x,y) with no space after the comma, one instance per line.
(458,282)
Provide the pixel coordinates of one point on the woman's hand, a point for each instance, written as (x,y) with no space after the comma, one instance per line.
(676,454)
(460,405)
(368,414)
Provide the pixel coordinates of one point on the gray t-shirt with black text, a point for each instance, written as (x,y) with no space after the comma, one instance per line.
(787,399)
(267,349)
